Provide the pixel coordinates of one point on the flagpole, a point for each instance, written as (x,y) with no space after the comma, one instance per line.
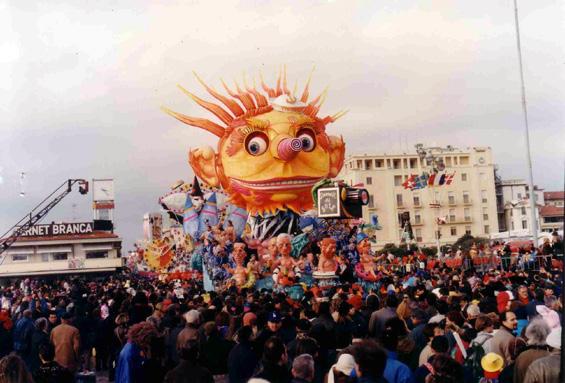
(533,215)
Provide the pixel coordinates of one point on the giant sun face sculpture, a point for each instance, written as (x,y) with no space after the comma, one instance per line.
(272,146)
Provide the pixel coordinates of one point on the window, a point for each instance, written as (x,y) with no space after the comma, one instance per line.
(96,254)
(399,200)
(524,224)
(453,230)
(451,198)
(484,196)
(513,228)
(519,195)
(464,160)
(45,257)
(467,214)
(379,163)
(418,235)
(369,180)
(20,257)
(464,177)
(368,164)
(468,230)
(448,162)
(60,256)
(455,160)
(371,201)
(485,213)
(523,210)
(359,164)
(396,164)
(104,214)
(487,229)
(451,215)
(466,198)
(417,217)
(397,180)
(413,163)
(416,200)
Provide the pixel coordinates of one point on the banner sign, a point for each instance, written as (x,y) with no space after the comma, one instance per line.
(59,229)
(415,182)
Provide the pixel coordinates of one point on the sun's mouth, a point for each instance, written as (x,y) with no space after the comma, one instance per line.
(276,184)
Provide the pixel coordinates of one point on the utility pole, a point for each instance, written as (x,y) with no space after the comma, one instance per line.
(533,215)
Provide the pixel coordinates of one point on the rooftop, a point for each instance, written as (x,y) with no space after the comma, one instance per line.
(551,211)
(71,237)
(554,195)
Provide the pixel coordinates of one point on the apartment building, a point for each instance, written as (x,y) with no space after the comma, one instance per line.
(468,203)
(516,205)
(551,215)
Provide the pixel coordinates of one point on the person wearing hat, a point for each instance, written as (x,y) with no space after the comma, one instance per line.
(190,331)
(341,371)
(66,340)
(273,328)
(492,365)
(547,369)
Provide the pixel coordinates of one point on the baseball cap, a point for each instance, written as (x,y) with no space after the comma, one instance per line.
(274,317)
(193,316)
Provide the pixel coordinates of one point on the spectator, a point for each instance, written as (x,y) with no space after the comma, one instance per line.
(50,371)
(13,370)
(190,332)
(242,358)
(342,370)
(431,330)
(370,361)
(215,350)
(395,371)
(536,334)
(379,317)
(136,351)
(273,364)
(23,333)
(66,340)
(188,370)
(547,369)
(492,364)
(443,369)
(485,329)
(504,336)
(303,369)
(39,338)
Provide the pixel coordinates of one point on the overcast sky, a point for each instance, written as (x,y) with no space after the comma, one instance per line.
(81,84)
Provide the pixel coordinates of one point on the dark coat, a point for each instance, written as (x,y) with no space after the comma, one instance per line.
(242,361)
(188,372)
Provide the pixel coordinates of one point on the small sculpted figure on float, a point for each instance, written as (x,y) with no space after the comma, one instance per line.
(287,272)
(366,268)
(327,262)
(240,274)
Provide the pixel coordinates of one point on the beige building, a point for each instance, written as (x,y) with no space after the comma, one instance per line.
(62,248)
(468,204)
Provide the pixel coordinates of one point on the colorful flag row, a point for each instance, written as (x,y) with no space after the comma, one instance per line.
(415,182)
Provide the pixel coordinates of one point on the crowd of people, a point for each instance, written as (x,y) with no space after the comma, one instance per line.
(440,324)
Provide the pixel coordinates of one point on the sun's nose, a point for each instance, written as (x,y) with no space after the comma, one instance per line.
(288,148)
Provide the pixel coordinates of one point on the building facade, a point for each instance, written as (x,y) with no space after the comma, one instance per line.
(516,205)
(466,205)
(62,248)
(551,215)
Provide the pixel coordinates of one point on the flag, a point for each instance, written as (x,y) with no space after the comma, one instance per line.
(208,214)
(420,182)
(190,218)
(409,183)
(431,180)
(449,178)
(238,217)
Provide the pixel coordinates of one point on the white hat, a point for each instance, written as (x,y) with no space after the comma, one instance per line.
(345,364)
(193,316)
(554,338)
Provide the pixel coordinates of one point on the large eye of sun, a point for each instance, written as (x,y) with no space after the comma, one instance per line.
(306,136)
(256,144)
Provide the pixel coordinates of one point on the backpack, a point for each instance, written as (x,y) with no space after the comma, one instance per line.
(472,364)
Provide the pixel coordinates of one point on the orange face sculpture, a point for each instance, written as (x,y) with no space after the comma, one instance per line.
(272,146)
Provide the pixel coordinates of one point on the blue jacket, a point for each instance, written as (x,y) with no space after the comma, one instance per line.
(130,365)
(396,371)
(22,335)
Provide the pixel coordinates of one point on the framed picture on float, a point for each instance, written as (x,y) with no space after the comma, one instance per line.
(329,203)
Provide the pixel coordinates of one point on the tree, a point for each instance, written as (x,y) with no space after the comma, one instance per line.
(467,241)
